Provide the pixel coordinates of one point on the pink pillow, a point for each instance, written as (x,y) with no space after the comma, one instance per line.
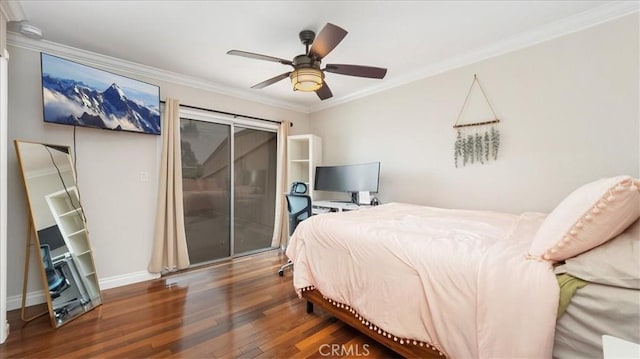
(588,217)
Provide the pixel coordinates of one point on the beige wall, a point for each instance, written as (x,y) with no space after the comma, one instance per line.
(120,208)
(569,108)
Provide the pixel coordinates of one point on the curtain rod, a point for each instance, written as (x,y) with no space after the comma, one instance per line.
(228,113)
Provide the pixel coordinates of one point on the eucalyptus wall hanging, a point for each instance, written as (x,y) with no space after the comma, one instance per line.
(476,142)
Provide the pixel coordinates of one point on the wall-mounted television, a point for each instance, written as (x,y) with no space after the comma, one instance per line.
(79,95)
(348,178)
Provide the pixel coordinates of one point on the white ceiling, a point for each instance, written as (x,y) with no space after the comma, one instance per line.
(191,38)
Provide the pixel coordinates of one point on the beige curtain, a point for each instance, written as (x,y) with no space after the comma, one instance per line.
(170,243)
(281,225)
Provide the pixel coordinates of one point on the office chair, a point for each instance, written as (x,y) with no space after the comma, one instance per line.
(299,209)
(56,280)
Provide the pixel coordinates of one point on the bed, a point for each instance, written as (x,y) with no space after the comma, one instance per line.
(608,304)
(432,282)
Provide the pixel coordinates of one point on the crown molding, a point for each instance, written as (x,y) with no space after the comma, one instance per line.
(133,69)
(12,10)
(581,21)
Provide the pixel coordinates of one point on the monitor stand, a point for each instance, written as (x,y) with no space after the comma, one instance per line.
(354,199)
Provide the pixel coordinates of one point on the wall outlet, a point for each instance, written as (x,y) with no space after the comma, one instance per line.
(144,176)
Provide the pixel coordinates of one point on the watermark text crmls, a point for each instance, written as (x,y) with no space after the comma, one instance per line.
(357,350)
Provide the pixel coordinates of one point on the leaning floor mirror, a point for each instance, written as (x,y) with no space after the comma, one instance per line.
(58,225)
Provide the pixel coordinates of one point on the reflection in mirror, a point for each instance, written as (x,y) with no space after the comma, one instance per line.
(60,228)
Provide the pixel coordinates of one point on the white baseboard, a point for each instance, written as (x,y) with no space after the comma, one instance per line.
(5,332)
(129,278)
(33,298)
(38,297)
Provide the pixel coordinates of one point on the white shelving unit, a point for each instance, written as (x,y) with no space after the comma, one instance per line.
(304,153)
(67,212)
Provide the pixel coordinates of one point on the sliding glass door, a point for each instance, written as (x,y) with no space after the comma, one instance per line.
(254,188)
(225,217)
(206,189)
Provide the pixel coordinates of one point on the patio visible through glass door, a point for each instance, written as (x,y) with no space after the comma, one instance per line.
(255,166)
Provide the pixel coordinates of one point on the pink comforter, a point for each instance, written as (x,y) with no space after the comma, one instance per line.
(456,279)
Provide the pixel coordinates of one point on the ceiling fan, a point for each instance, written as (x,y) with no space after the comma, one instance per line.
(307,74)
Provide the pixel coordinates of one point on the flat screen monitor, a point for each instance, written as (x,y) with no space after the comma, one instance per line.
(51,236)
(349,178)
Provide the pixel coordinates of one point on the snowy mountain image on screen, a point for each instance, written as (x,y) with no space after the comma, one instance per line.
(75,103)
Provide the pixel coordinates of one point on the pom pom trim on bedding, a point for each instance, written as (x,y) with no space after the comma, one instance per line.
(456,279)
(376,329)
(588,217)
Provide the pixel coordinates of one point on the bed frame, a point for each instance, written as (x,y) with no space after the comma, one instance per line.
(408,348)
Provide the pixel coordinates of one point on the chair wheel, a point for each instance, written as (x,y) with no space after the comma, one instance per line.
(281,272)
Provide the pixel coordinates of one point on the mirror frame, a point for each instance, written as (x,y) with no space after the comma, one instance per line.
(33,234)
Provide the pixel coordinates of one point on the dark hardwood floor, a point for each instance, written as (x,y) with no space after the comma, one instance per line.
(238,309)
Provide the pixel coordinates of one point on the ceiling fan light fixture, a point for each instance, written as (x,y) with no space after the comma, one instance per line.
(307,75)
(306,79)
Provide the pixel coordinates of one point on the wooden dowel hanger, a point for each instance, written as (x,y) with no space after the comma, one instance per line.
(476,123)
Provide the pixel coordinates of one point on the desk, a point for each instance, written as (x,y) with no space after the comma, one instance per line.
(319,207)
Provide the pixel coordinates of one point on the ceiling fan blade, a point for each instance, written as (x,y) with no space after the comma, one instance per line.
(251,55)
(357,70)
(324,92)
(328,38)
(271,81)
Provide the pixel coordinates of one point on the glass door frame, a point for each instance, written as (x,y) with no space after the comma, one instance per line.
(232,122)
